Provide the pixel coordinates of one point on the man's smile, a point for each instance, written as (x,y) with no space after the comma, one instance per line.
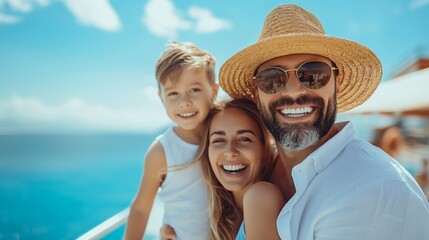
(296,112)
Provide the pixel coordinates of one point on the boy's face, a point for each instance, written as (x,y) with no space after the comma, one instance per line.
(188,101)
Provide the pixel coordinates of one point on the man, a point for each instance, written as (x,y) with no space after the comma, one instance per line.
(341,187)
(307,79)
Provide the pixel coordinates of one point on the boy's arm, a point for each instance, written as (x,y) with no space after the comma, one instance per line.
(141,207)
(262,204)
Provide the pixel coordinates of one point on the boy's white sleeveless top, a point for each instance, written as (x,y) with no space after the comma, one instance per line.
(184,191)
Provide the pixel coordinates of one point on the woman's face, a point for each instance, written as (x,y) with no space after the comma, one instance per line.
(235,149)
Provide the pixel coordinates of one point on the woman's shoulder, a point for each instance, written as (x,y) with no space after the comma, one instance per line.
(263,187)
(262,204)
(261,192)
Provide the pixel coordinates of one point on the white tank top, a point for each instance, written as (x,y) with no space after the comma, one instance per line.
(184,191)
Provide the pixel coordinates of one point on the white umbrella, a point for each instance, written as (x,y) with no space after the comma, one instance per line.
(405,95)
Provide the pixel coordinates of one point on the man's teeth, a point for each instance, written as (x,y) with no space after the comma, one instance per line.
(296,112)
(236,167)
(187,114)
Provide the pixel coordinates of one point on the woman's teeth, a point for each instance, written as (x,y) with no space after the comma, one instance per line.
(234,169)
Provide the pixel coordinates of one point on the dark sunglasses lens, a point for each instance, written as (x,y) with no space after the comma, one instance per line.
(271,80)
(314,75)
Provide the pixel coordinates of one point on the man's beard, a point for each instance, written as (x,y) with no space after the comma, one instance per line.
(300,136)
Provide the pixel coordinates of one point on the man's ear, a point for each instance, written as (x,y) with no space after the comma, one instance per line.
(256,98)
(338,81)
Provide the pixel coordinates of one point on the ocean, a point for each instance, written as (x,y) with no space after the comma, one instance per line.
(61,186)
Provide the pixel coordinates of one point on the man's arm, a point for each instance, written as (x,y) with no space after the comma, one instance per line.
(167,232)
(382,210)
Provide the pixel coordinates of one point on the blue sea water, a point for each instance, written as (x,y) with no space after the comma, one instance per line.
(60,186)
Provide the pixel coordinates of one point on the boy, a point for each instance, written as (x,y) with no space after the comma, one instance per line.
(187,88)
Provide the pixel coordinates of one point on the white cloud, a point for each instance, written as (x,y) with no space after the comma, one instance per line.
(29,114)
(20,5)
(11,10)
(43,2)
(206,22)
(97,13)
(418,3)
(163,19)
(8,19)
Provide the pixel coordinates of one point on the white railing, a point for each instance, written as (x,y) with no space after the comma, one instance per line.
(107,226)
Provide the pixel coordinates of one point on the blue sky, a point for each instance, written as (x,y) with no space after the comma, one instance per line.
(88,66)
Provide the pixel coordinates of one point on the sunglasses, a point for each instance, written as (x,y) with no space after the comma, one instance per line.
(311,75)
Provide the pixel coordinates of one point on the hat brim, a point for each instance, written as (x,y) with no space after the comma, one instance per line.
(359,67)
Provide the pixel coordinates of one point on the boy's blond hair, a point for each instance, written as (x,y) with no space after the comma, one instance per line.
(180,56)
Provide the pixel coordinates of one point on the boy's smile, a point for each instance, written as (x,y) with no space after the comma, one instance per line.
(187,115)
(188,99)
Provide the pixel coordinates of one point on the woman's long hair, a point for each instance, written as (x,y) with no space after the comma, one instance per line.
(226,217)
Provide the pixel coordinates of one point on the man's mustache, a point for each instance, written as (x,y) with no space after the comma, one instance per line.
(301,100)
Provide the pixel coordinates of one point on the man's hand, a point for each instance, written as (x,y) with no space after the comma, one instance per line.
(167,232)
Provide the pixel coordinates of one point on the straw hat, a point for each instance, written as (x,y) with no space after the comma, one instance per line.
(289,29)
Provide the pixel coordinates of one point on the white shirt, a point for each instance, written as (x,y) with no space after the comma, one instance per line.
(184,191)
(349,189)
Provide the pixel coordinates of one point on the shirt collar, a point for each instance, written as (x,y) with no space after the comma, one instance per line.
(324,155)
(304,172)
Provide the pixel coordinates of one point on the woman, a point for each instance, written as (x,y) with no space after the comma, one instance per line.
(237,158)
(236,154)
